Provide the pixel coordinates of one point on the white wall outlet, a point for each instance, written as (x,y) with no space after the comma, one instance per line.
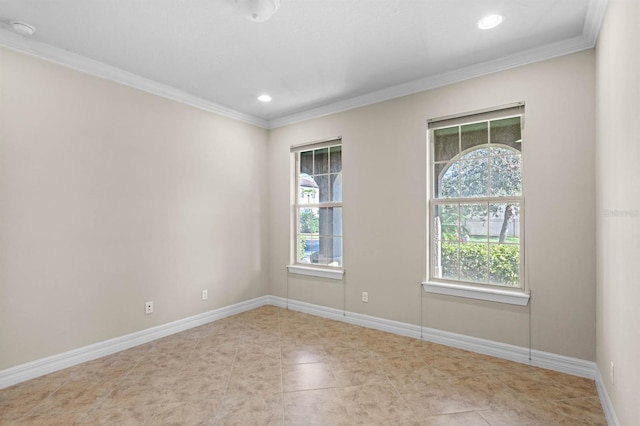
(611,372)
(365,297)
(148,308)
(205,294)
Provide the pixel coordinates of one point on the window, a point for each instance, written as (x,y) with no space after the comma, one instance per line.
(476,205)
(318,206)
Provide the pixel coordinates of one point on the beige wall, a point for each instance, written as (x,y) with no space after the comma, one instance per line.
(110,197)
(384,173)
(618,212)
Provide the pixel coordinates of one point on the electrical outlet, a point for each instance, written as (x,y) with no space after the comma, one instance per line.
(365,297)
(611,372)
(205,294)
(148,308)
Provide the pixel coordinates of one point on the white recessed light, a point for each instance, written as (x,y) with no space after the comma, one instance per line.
(489,21)
(264,98)
(22,28)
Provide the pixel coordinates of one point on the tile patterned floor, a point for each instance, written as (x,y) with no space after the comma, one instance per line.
(271,366)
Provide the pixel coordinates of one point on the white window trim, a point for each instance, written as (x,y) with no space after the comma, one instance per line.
(519,297)
(317,271)
(310,269)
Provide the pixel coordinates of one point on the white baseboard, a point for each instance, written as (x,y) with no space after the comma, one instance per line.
(542,359)
(607,406)
(40,367)
(564,364)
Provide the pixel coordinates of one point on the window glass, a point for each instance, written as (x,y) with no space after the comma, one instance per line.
(319,206)
(477,202)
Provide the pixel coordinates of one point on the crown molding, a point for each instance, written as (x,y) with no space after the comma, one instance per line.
(587,40)
(98,69)
(526,57)
(593,21)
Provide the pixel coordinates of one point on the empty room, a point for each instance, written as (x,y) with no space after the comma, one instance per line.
(319,212)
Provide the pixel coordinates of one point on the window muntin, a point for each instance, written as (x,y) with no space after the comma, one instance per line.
(318,206)
(476,202)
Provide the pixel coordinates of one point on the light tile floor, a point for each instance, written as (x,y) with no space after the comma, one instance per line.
(271,366)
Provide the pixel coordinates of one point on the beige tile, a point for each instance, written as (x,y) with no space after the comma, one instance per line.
(297,377)
(19,400)
(185,413)
(195,389)
(457,366)
(120,414)
(534,387)
(254,383)
(52,419)
(438,398)
(373,404)
(259,410)
(358,373)
(75,396)
(134,394)
(149,377)
(294,352)
(376,402)
(316,407)
(458,419)
(270,364)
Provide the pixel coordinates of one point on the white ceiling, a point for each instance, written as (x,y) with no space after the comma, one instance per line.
(313,57)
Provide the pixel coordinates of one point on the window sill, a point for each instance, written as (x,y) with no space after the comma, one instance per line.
(519,298)
(333,274)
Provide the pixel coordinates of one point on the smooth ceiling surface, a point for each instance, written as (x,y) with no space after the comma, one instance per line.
(312,56)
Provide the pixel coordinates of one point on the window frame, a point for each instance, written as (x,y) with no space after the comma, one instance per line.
(457,287)
(295,265)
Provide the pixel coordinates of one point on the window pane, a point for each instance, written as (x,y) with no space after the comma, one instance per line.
(336,221)
(448,186)
(336,187)
(474,259)
(474,177)
(505,223)
(323,188)
(308,221)
(446,260)
(506,174)
(336,159)
(473,222)
(507,132)
(330,221)
(311,249)
(307,189)
(321,161)
(306,162)
(446,222)
(336,259)
(446,143)
(505,264)
(437,178)
(474,134)
(308,248)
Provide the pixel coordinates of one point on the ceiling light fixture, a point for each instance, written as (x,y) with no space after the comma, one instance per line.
(257,10)
(489,21)
(264,98)
(23,28)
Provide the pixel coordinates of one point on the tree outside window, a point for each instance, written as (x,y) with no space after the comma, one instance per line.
(477,202)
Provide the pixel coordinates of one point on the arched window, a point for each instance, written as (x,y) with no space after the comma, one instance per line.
(476,202)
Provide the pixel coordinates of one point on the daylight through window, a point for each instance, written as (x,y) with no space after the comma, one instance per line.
(318,204)
(476,204)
